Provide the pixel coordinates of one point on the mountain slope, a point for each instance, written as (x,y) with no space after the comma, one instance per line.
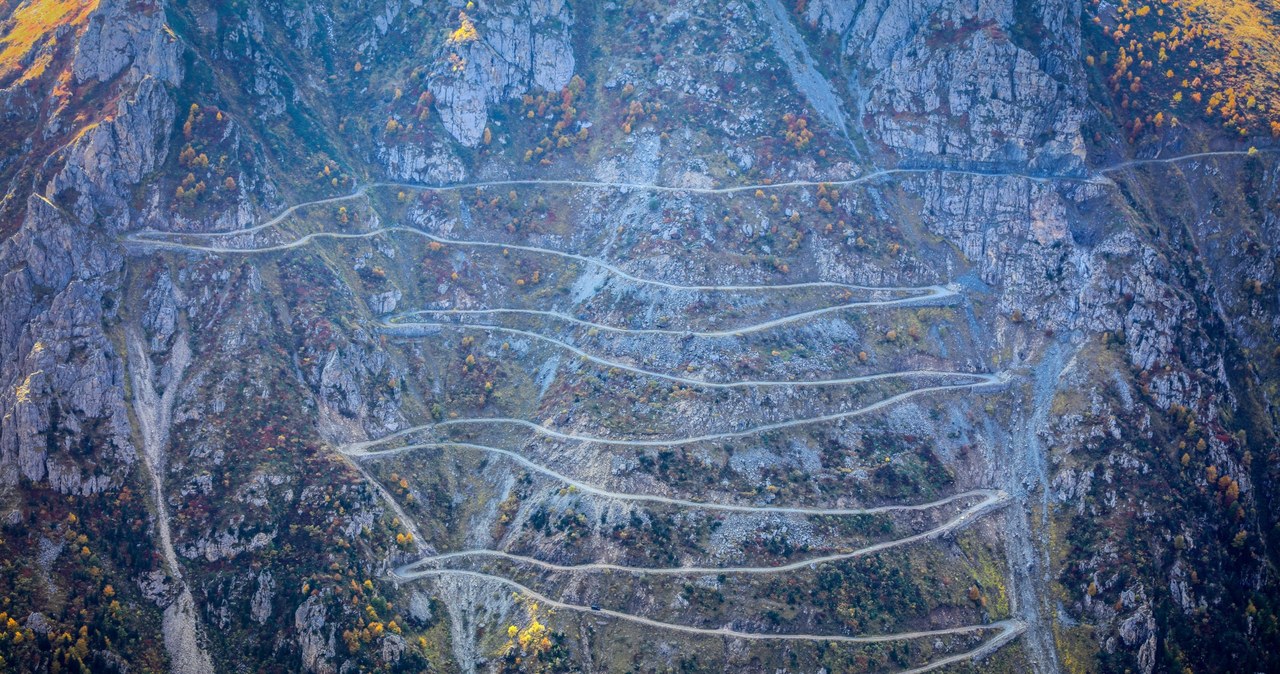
(535,335)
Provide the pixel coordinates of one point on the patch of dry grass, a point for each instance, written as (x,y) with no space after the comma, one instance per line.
(31,25)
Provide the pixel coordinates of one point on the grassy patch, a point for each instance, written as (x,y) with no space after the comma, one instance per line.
(33,24)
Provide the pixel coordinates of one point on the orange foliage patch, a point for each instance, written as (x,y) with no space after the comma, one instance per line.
(31,25)
(1222,50)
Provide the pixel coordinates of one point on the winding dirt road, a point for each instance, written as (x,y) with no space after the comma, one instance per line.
(139,238)
(984,380)
(1004,625)
(400,329)
(935,292)
(153,413)
(992,500)
(363,190)
(1181,158)
(360,451)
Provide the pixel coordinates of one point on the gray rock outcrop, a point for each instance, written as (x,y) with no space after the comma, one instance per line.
(515,47)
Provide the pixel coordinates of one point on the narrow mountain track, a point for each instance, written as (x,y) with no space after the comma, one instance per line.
(365,453)
(984,380)
(934,293)
(1181,158)
(987,500)
(1005,625)
(990,502)
(139,239)
(397,330)
(363,190)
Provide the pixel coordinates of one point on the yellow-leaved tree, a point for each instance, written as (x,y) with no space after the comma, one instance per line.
(531,648)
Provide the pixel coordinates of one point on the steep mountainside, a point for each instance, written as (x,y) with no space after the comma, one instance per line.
(543,335)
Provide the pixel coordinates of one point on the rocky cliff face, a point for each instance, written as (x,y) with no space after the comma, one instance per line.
(67,423)
(500,54)
(61,263)
(255,365)
(956,81)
